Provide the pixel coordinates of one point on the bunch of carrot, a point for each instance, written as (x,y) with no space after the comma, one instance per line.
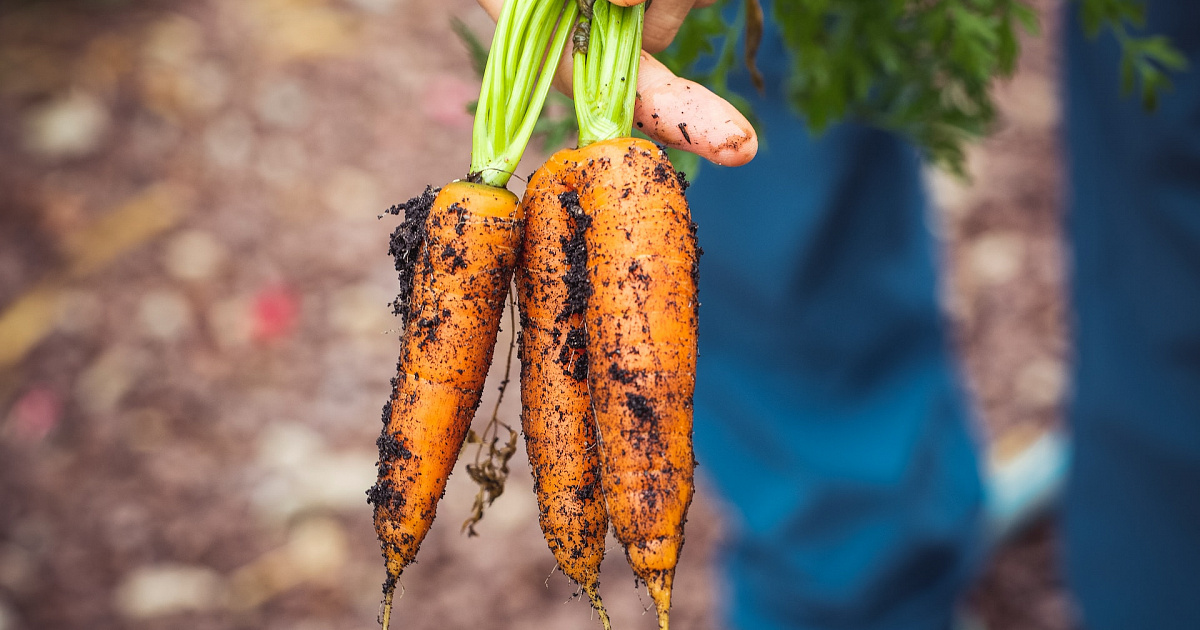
(605,259)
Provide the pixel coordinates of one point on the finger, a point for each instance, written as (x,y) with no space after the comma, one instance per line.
(663,19)
(686,115)
(492,7)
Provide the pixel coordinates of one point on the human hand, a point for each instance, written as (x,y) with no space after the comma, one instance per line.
(674,111)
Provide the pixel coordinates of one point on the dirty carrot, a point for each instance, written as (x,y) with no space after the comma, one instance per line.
(458,248)
(641,310)
(455,253)
(560,430)
(641,320)
(640,323)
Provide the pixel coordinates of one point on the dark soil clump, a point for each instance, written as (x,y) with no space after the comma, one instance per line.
(578,287)
(640,406)
(405,246)
(621,375)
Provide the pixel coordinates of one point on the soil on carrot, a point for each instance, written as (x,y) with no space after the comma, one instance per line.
(578,286)
(407,241)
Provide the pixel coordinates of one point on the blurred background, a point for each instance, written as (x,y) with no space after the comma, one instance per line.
(195,337)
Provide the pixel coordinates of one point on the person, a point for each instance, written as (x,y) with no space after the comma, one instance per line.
(829,411)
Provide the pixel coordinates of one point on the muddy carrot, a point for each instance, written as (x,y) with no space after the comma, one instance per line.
(560,430)
(457,265)
(455,254)
(641,323)
(641,314)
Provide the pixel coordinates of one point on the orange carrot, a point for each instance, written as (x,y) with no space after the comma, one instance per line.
(641,323)
(455,253)
(560,431)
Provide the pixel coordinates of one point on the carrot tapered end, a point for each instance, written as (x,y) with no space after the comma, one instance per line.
(660,591)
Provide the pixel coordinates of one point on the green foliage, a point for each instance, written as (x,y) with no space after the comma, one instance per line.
(922,68)
(1145,60)
(475,48)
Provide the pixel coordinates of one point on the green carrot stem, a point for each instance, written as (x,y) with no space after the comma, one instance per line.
(528,43)
(605,82)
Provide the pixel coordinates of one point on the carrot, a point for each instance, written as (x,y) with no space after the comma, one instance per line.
(456,253)
(560,430)
(641,323)
(642,320)
(641,314)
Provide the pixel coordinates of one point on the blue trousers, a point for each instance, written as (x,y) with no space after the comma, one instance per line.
(828,407)
(1132,517)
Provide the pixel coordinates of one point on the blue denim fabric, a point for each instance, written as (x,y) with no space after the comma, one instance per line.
(1133,498)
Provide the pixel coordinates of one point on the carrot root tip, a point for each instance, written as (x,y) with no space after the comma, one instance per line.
(389,591)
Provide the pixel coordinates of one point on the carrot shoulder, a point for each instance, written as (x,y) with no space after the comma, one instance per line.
(456,265)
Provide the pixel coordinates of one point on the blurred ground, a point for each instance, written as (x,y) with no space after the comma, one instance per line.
(195,338)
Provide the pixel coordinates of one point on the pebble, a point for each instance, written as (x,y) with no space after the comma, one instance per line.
(353,194)
(317,548)
(106,381)
(328,481)
(174,40)
(158,590)
(1041,383)
(195,87)
(164,314)
(70,126)
(317,551)
(78,312)
(229,141)
(287,445)
(996,258)
(193,255)
(284,103)
(299,474)
(301,29)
